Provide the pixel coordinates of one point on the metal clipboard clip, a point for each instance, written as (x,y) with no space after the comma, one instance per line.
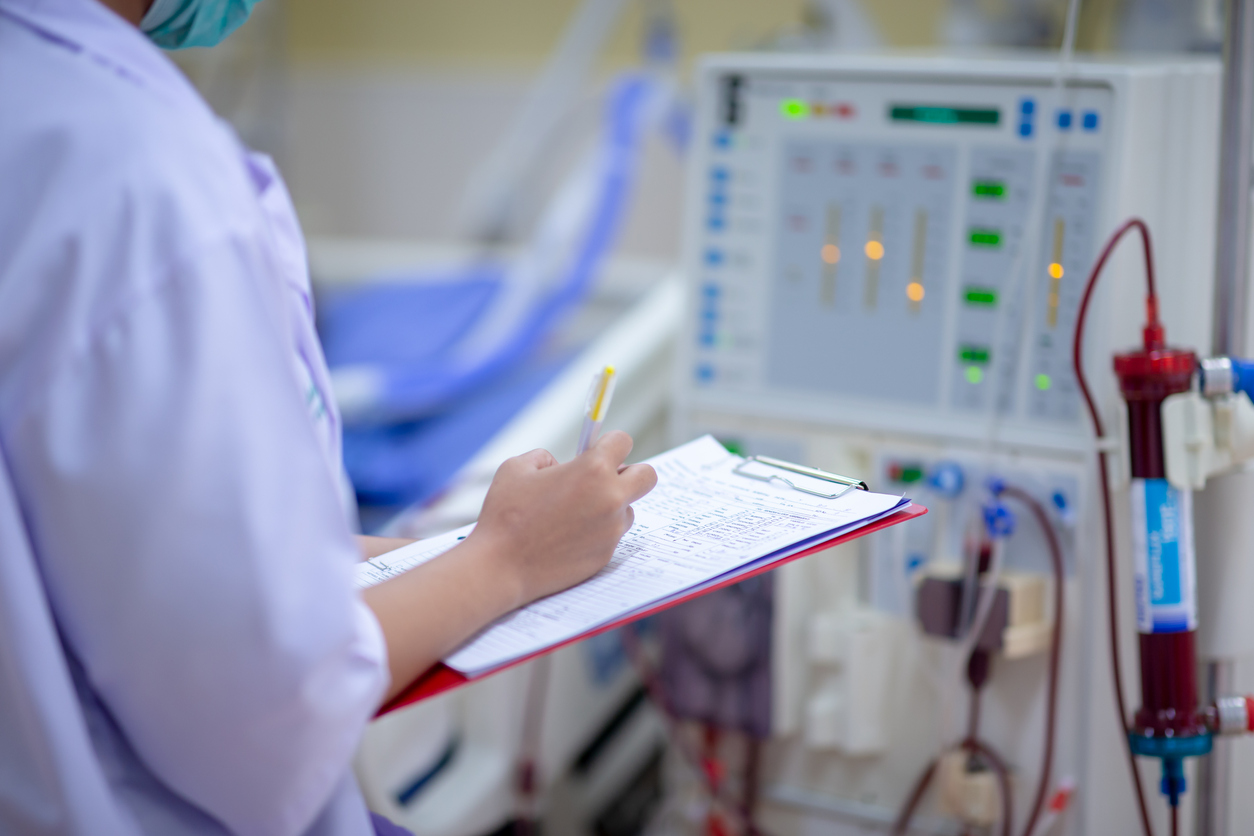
(812,472)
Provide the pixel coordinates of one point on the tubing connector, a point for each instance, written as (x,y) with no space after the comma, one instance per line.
(1231,715)
(1153,335)
(999,521)
(1221,376)
(1171,751)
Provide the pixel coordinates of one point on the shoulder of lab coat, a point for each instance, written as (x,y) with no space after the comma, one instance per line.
(188,532)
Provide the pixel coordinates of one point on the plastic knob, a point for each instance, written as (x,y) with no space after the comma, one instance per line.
(999,520)
(947,479)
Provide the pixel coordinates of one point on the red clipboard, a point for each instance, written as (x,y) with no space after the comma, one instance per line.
(442,678)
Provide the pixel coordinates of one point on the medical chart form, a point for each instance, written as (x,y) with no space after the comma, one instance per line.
(701,523)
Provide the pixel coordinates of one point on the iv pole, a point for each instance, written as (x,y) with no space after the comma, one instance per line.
(1231,309)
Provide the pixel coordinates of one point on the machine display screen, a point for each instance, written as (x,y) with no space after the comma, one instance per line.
(936,115)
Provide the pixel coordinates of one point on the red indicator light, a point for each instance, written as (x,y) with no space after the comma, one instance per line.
(845,110)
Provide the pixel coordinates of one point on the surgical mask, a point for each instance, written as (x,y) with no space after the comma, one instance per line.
(175,24)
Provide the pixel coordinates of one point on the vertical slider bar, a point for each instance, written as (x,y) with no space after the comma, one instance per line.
(914,290)
(874,252)
(831,256)
(1055,273)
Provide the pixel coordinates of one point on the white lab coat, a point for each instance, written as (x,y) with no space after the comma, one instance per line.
(181,646)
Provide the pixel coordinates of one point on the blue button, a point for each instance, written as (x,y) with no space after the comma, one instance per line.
(1064,120)
(1060,500)
(707,339)
(720,174)
(947,479)
(1090,120)
(718,198)
(713,257)
(1027,106)
(1025,129)
(709,313)
(705,372)
(711,291)
(723,139)
(716,222)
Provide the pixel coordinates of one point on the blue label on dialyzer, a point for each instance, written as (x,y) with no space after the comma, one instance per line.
(1162,539)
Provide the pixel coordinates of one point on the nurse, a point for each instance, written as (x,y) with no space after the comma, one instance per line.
(181,646)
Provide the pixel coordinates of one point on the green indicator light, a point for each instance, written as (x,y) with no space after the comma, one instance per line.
(794,109)
(985,238)
(983,296)
(988,188)
(1043,382)
(973,354)
(733,446)
(939,115)
(974,374)
(906,474)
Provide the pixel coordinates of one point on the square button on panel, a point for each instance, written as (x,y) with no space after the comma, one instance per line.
(1091,120)
(1064,120)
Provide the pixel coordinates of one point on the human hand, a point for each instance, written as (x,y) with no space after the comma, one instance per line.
(547,526)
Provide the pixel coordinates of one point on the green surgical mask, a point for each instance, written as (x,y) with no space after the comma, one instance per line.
(175,24)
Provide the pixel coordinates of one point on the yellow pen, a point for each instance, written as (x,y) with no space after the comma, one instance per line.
(599,395)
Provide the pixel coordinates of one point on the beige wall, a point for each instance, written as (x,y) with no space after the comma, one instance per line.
(504,34)
(518,34)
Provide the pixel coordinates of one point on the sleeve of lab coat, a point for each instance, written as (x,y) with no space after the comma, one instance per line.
(194,548)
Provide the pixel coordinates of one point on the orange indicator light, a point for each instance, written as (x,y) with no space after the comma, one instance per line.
(874,250)
(1055,270)
(830,253)
(914,292)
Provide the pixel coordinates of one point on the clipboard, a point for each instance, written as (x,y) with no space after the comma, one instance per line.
(442,679)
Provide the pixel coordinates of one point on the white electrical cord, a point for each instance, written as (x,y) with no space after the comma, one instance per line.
(987,595)
(1017,296)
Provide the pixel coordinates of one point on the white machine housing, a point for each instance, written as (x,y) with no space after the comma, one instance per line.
(884,257)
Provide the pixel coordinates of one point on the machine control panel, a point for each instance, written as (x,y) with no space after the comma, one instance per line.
(865,245)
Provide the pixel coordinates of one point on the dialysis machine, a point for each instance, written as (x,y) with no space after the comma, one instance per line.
(884,262)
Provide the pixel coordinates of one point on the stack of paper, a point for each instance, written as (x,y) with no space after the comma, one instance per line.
(702,524)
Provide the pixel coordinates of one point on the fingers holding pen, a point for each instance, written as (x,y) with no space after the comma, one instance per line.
(637,480)
(614,447)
